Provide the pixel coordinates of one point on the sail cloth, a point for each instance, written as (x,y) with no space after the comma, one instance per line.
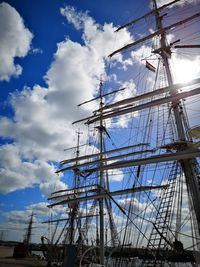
(150,67)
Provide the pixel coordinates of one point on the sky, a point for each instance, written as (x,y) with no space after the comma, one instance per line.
(52,56)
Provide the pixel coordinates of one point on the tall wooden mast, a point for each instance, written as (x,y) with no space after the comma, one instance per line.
(189,166)
(101,182)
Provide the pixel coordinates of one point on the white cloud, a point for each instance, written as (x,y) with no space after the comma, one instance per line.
(15,41)
(96,36)
(77,19)
(130,91)
(141,54)
(41,126)
(39,135)
(36,51)
(38,209)
(137,206)
(17,216)
(18,173)
(16,221)
(74,75)
(115,175)
(49,187)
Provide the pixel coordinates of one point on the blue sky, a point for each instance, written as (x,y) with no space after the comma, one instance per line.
(52,55)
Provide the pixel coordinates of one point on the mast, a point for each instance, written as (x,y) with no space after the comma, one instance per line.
(74,207)
(77,181)
(101,182)
(29,231)
(165,55)
(188,166)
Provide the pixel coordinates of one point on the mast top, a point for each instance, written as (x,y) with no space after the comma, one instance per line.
(156,33)
(146,15)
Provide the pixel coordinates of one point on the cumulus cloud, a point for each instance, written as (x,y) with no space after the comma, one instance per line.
(49,187)
(39,135)
(115,175)
(140,54)
(136,205)
(16,221)
(15,41)
(41,126)
(123,120)
(17,216)
(77,19)
(130,91)
(18,173)
(95,35)
(39,209)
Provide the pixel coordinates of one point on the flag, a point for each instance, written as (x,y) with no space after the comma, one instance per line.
(150,67)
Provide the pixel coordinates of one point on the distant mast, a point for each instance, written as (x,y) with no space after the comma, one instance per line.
(27,238)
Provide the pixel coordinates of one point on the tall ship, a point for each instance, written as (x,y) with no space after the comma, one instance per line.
(134,188)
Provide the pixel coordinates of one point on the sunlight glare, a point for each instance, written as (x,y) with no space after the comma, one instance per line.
(185,70)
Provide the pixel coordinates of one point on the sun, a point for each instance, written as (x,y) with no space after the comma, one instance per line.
(185,70)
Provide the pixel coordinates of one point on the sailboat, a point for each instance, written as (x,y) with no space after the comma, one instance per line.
(151,216)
